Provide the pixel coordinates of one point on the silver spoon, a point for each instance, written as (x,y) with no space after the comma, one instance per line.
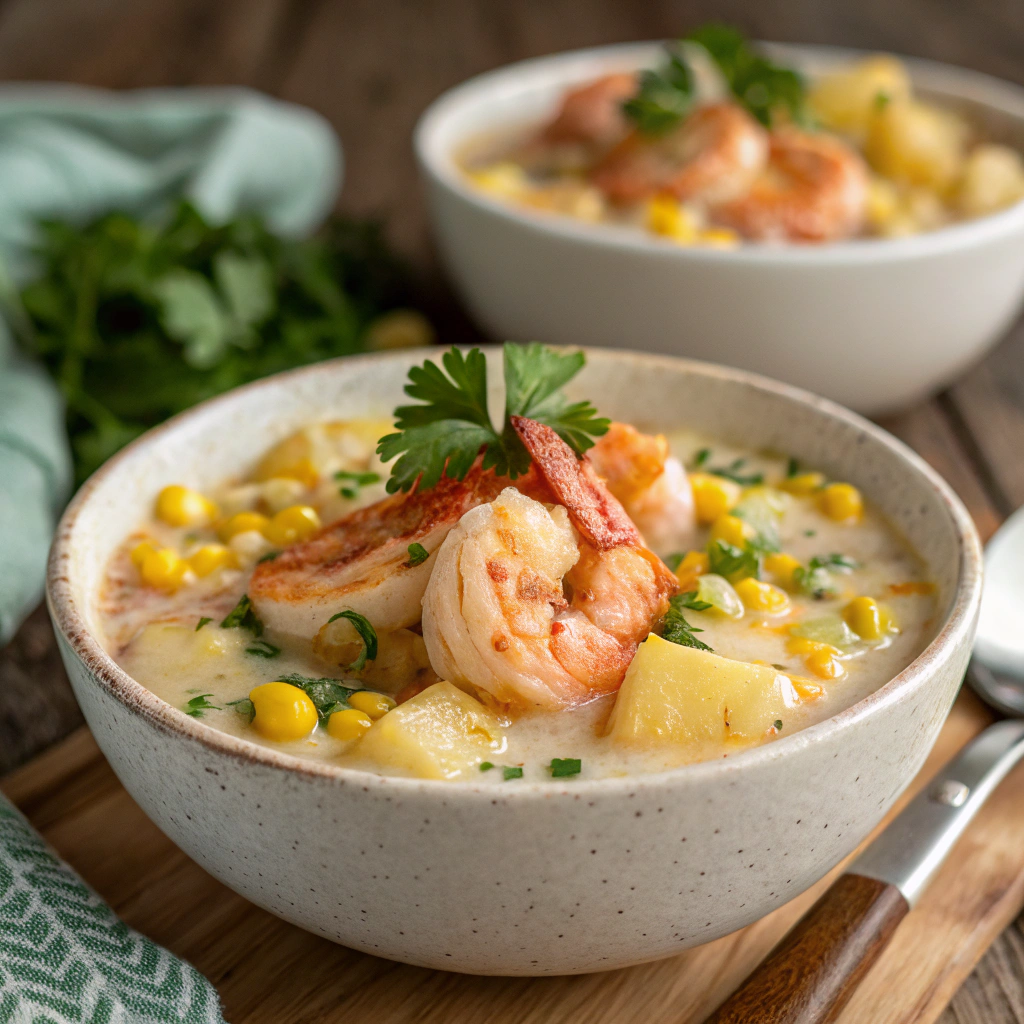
(810,975)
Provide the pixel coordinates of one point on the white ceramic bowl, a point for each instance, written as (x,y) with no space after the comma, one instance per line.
(531,878)
(874,324)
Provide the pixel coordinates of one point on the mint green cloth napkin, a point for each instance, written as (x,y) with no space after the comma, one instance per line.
(65,956)
(73,153)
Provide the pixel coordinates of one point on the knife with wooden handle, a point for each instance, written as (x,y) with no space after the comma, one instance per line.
(809,977)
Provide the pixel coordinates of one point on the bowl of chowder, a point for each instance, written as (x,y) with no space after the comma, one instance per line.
(580,688)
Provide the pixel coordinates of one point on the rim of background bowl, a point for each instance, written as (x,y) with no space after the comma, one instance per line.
(138,699)
(437,163)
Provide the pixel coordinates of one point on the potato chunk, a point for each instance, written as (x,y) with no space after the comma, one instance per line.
(674,694)
(917,144)
(846,100)
(440,733)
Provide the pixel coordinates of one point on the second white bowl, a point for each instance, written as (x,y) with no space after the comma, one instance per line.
(875,324)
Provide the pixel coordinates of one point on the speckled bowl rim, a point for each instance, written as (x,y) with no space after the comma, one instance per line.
(138,700)
(437,164)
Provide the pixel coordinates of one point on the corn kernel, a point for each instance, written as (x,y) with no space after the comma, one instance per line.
(825,663)
(349,724)
(842,502)
(181,506)
(667,217)
(211,557)
(805,645)
(242,522)
(694,564)
(139,552)
(376,705)
(504,179)
(292,524)
(713,496)
(401,328)
(762,597)
(719,238)
(283,712)
(163,568)
(782,566)
(867,618)
(803,483)
(732,530)
(805,689)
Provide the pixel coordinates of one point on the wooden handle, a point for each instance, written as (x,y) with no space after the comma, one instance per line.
(810,975)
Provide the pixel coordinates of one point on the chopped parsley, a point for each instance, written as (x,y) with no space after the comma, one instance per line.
(197,705)
(810,533)
(511,772)
(674,560)
(778,725)
(792,468)
(733,563)
(676,629)
(445,435)
(563,767)
(202,622)
(366,633)
(816,580)
(328,695)
(701,457)
(418,554)
(355,481)
(486,766)
(690,600)
(664,96)
(242,616)
(263,649)
(244,707)
(734,472)
(268,557)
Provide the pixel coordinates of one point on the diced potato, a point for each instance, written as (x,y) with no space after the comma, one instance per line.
(441,733)
(846,101)
(321,449)
(916,144)
(993,179)
(674,694)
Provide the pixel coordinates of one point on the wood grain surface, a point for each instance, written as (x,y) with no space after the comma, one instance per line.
(371,66)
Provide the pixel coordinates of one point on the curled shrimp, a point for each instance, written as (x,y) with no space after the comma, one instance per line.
(814,189)
(713,156)
(542,606)
(651,484)
(591,115)
(362,562)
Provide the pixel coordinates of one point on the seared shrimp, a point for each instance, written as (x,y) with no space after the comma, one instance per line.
(591,115)
(814,189)
(362,562)
(713,156)
(651,484)
(543,606)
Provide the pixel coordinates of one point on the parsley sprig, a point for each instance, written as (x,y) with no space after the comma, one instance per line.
(446,433)
(816,579)
(664,97)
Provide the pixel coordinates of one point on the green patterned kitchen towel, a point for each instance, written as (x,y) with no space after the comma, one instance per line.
(72,153)
(65,957)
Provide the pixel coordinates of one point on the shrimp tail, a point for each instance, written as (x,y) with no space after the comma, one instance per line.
(594,511)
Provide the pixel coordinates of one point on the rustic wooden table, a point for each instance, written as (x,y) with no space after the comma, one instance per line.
(370,66)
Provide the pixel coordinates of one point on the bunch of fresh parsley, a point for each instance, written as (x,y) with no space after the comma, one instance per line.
(764,88)
(137,321)
(453,426)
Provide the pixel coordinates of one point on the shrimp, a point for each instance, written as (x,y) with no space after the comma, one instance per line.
(651,484)
(362,563)
(713,156)
(591,115)
(539,606)
(814,189)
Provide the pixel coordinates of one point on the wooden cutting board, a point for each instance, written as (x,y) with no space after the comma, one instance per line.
(269,971)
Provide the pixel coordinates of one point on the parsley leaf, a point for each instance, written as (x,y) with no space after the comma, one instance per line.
(690,600)
(242,616)
(563,767)
(263,649)
(486,766)
(445,434)
(197,705)
(202,622)
(418,554)
(664,97)
(734,472)
(511,771)
(366,633)
(244,707)
(676,629)
(701,457)
(760,85)
(351,490)
(732,562)
(328,695)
